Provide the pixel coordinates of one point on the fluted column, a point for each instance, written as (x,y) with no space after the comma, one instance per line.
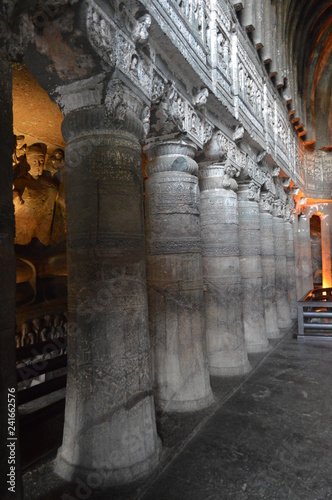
(290,265)
(109,418)
(251,267)
(305,264)
(283,308)
(221,271)
(268,266)
(175,278)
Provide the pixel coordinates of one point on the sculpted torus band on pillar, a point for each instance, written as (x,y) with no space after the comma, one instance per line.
(175,281)
(221,267)
(110,418)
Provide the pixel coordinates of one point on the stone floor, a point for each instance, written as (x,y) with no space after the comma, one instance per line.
(268,436)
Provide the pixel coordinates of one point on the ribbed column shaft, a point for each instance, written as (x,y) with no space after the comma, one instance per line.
(283,308)
(109,419)
(175,278)
(221,272)
(268,267)
(290,263)
(251,272)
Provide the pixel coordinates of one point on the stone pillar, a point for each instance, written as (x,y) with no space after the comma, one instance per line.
(268,266)
(175,278)
(283,308)
(290,265)
(251,268)
(305,269)
(221,271)
(8,291)
(109,418)
(299,288)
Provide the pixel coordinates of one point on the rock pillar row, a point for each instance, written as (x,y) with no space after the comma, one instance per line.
(221,272)
(9,448)
(290,265)
(268,266)
(283,307)
(175,279)
(110,427)
(251,268)
(305,264)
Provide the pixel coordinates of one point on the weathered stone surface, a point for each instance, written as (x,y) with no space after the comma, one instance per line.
(109,418)
(283,308)
(268,267)
(175,279)
(221,272)
(290,265)
(251,271)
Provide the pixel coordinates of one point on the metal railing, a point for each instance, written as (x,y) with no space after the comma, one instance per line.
(315,315)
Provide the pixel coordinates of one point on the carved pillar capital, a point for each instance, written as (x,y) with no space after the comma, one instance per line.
(171,156)
(102,104)
(172,115)
(289,209)
(249,190)
(266,202)
(278,208)
(219,176)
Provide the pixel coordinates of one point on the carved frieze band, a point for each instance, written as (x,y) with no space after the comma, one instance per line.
(173,246)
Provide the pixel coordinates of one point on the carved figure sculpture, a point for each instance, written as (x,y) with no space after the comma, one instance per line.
(27,336)
(200,99)
(141,30)
(46,333)
(36,326)
(34,197)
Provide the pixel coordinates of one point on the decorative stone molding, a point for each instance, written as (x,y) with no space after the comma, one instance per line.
(173,114)
(266,202)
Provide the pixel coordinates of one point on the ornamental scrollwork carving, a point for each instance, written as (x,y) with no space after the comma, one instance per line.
(254,191)
(173,114)
(115,105)
(266,202)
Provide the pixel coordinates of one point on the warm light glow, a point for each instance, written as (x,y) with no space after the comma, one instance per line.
(326,253)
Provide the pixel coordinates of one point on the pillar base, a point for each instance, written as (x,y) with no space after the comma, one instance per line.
(276,334)
(185,406)
(230,371)
(256,348)
(102,477)
(285,323)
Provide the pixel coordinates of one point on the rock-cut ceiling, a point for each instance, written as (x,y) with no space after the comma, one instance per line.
(308,33)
